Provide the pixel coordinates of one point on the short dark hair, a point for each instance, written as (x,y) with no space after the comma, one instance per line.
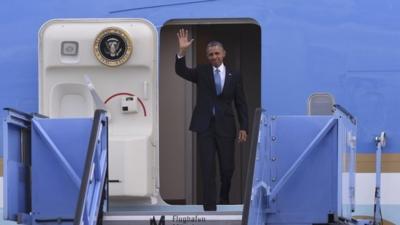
(214,43)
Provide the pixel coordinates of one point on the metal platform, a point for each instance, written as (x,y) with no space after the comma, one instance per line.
(174,214)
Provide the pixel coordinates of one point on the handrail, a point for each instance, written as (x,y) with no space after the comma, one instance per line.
(255,132)
(380,143)
(93,179)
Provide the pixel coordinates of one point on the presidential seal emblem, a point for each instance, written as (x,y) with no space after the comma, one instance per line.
(112,46)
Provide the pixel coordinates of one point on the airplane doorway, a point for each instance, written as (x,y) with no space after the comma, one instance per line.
(180,176)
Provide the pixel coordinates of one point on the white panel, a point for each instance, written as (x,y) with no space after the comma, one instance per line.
(1,195)
(365,188)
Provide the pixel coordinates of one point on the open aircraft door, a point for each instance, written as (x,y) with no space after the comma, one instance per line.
(119,57)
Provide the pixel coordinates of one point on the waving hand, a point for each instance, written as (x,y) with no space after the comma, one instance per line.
(183,41)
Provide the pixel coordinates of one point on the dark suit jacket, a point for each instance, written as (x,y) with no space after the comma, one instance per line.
(207,98)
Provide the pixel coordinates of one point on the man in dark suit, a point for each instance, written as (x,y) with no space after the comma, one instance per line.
(213,118)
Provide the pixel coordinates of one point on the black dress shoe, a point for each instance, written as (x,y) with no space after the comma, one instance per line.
(210,207)
(224,202)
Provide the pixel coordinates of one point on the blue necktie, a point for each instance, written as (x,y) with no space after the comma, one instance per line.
(217,80)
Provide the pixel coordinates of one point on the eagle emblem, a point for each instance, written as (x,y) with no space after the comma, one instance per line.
(113,47)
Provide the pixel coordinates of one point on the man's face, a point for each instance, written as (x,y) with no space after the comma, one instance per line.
(215,55)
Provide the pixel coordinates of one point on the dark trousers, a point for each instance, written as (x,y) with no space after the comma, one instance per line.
(210,145)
